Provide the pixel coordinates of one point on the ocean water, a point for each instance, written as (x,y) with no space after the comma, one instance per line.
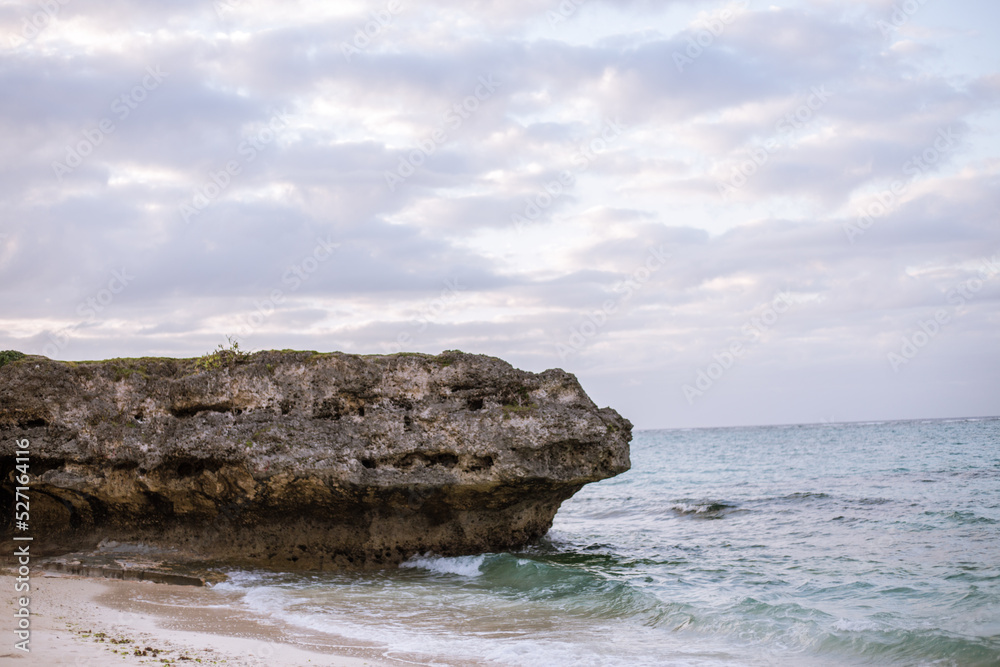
(834,544)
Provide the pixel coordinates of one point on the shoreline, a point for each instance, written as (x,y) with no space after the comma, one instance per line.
(87,622)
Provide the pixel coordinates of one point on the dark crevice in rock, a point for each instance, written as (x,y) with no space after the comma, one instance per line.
(189,467)
(99,513)
(478,463)
(330,408)
(75,520)
(191,410)
(160,506)
(6,493)
(413,459)
(446,460)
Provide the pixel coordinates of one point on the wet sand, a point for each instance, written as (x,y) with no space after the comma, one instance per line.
(97,622)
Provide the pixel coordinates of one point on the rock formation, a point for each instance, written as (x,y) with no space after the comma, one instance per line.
(300,460)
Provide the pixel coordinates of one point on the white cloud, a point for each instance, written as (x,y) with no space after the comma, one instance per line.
(650,181)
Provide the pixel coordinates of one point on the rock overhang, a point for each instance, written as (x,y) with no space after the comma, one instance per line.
(299,459)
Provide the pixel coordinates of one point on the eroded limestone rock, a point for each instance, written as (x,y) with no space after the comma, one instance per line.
(301,460)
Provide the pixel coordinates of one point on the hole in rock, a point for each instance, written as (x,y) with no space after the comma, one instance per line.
(446,460)
(480,463)
(191,410)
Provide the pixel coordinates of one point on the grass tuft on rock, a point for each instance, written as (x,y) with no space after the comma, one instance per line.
(10,356)
(223,357)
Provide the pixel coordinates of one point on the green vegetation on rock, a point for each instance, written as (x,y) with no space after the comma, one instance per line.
(10,356)
(223,357)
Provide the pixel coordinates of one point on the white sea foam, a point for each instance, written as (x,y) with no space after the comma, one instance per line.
(239,580)
(848,625)
(601,645)
(465,566)
(559,538)
(686,508)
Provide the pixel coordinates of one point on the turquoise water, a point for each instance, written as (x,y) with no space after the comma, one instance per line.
(835,544)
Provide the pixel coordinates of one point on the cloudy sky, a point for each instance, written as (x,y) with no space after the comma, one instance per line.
(712,213)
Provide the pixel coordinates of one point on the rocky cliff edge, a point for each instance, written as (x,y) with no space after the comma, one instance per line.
(299,460)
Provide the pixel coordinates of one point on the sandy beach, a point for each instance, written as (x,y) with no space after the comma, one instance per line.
(96,622)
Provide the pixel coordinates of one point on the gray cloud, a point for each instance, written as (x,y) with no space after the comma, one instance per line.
(639,145)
